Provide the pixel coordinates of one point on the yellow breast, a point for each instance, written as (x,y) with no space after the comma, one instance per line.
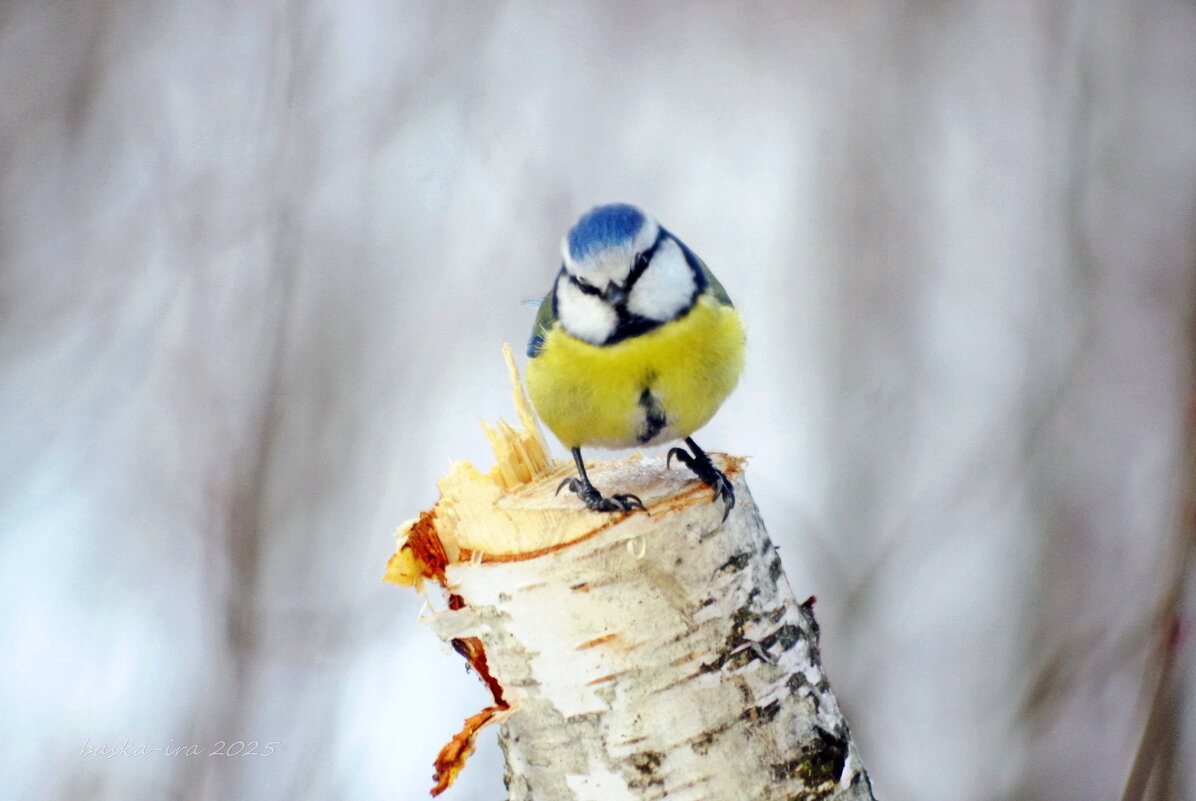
(667,383)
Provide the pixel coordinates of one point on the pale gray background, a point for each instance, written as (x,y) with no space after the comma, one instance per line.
(257,261)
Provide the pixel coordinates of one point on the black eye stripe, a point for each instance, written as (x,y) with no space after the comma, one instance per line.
(642,260)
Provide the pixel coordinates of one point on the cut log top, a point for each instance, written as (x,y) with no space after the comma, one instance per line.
(514,510)
(536,518)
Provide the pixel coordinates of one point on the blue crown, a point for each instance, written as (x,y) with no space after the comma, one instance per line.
(604,227)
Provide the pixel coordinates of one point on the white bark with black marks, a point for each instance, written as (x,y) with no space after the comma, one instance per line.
(663,656)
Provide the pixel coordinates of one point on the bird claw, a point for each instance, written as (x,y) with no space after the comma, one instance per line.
(682,456)
(592,498)
(711,476)
(723,489)
(629,502)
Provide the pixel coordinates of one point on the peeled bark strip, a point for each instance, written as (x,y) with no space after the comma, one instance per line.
(631,656)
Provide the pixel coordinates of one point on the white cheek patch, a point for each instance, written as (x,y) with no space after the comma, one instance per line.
(666,287)
(584,316)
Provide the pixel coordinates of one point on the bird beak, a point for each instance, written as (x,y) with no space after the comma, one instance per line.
(615,294)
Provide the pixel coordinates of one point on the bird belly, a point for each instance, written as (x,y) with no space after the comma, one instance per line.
(658,386)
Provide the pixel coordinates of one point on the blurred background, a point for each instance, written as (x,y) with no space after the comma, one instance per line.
(257,261)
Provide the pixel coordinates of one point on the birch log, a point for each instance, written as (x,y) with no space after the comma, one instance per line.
(630,656)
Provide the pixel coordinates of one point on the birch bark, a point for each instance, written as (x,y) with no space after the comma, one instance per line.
(636,656)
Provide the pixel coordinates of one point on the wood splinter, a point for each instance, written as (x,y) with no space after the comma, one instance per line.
(630,655)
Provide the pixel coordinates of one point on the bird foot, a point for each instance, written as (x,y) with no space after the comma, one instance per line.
(710,475)
(592,498)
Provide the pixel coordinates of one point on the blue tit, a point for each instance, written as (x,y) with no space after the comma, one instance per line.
(637,343)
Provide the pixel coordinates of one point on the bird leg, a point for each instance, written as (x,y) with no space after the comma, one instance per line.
(589,494)
(704,469)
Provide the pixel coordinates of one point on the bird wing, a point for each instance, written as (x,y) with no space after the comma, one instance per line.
(712,284)
(545,319)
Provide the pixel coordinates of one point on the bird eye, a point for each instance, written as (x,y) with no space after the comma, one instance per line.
(641,261)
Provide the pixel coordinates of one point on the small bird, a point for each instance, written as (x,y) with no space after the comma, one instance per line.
(637,343)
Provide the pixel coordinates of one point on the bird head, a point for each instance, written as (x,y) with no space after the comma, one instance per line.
(622,273)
